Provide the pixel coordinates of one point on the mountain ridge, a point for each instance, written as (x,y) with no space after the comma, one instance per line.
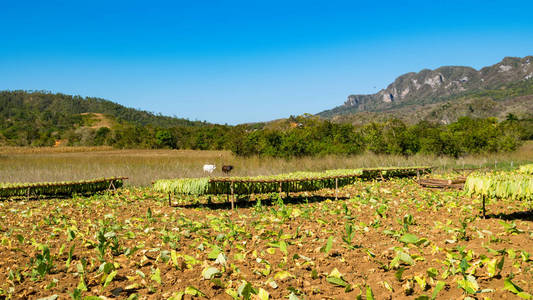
(442,84)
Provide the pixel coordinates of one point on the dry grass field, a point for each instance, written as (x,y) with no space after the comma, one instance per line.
(144,166)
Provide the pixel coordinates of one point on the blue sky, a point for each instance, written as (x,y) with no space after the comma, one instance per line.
(246,61)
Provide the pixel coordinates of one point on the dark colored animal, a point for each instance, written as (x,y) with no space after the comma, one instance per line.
(227,169)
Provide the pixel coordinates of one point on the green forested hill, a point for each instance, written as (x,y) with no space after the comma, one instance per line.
(24,102)
(40,118)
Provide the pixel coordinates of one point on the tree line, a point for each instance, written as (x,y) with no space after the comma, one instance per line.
(42,119)
(316,137)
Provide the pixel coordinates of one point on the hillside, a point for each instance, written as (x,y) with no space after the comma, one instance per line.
(43,118)
(45,102)
(444,94)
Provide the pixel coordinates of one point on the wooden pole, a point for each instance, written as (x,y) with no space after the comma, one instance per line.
(232,197)
(483,199)
(336,187)
(169,201)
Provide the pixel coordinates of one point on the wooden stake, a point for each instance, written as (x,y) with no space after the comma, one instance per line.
(336,187)
(483,199)
(169,201)
(232,197)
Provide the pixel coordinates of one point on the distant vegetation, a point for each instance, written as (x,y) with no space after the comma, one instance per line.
(312,136)
(45,119)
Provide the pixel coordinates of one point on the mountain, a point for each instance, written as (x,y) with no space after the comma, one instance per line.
(446,93)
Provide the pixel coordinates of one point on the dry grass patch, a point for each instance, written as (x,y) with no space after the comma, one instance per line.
(143,166)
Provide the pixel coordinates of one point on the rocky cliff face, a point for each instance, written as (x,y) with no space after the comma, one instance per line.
(429,86)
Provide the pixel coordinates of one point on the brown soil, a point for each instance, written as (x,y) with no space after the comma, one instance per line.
(99,120)
(252,234)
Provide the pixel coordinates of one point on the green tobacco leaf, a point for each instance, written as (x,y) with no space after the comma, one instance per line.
(335,273)
(499,265)
(156,276)
(215,251)
(438,287)
(210,272)
(398,274)
(328,246)
(387,285)
(177,296)
(513,288)
(282,275)
(464,265)
(432,272)
(262,294)
(525,295)
(272,283)
(191,290)
(406,258)
(221,259)
(314,274)
(510,286)
(140,273)
(132,286)
(469,284)
(232,293)
(81,285)
(409,238)
(174,258)
(110,277)
(246,290)
(370,253)
(491,268)
(421,282)
(369,293)
(132,297)
(337,281)
(292,296)
(283,247)
(106,268)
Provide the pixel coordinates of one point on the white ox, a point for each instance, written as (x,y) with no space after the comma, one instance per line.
(209,168)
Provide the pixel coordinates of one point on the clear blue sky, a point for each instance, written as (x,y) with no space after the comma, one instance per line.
(245,61)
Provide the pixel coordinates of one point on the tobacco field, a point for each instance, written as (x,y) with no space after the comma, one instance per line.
(381,240)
